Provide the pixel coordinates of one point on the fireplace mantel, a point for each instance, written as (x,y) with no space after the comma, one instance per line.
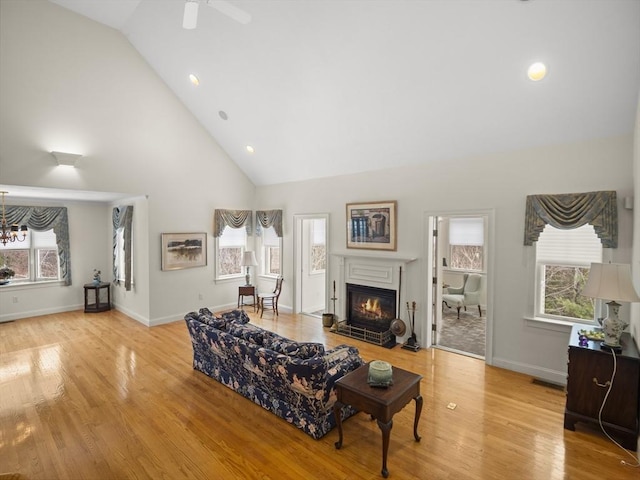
(388,257)
(372,269)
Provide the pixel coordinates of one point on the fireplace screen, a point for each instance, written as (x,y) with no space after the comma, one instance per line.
(369,307)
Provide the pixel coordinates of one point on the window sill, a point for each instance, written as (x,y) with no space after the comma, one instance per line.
(552,324)
(30,285)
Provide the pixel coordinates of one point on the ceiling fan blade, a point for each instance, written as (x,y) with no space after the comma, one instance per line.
(190,19)
(230,11)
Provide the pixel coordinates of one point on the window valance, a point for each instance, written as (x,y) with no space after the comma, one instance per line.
(572,210)
(269,218)
(122,217)
(42,219)
(232,218)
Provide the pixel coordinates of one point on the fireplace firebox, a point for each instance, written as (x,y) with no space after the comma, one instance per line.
(370,308)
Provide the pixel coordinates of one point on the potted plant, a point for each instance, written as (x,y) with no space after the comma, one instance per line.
(6,274)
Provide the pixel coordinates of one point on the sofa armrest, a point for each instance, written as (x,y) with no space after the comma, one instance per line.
(455,290)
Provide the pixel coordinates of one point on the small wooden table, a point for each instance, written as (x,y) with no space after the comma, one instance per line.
(381,403)
(247,291)
(97,306)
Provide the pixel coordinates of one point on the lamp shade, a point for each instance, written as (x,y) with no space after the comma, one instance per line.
(610,281)
(249,260)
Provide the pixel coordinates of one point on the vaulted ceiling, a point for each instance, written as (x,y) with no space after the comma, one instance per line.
(325,87)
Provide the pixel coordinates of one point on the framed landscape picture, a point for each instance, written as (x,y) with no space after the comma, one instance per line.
(372,225)
(183,250)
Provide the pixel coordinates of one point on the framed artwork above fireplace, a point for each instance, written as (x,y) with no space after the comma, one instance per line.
(372,225)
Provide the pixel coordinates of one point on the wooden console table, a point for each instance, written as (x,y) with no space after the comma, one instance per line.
(98,306)
(381,403)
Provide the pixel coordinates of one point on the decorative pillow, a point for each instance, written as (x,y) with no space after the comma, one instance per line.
(250,333)
(209,318)
(238,316)
(301,350)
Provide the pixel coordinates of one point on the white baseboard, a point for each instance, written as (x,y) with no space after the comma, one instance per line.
(36,313)
(552,376)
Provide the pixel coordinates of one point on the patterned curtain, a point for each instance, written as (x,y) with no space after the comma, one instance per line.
(122,217)
(46,218)
(572,210)
(231,218)
(269,218)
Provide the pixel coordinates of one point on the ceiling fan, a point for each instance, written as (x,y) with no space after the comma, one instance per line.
(190,18)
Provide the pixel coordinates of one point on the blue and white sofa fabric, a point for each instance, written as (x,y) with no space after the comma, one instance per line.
(294,380)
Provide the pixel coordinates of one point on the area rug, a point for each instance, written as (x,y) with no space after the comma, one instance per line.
(467,334)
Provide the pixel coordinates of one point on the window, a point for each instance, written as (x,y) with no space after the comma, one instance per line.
(466,243)
(230,248)
(563,260)
(35,259)
(318,246)
(271,245)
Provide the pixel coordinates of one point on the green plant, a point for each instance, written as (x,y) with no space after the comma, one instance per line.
(6,272)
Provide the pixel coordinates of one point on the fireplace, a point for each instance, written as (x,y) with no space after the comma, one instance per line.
(370,307)
(370,311)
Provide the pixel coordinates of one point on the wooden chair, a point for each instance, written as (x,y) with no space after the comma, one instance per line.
(270,299)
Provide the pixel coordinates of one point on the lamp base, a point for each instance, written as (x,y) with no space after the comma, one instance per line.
(613,326)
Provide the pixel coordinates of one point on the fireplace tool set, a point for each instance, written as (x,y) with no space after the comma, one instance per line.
(330,319)
(412,342)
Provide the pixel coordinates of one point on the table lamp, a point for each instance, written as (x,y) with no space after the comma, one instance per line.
(248,260)
(611,281)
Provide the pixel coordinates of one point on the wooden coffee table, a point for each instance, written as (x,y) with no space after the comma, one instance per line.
(381,403)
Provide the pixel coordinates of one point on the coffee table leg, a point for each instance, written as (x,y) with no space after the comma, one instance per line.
(418,400)
(386,433)
(337,412)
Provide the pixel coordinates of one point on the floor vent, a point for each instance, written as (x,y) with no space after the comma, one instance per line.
(544,383)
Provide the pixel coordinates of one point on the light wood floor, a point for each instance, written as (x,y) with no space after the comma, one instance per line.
(100,396)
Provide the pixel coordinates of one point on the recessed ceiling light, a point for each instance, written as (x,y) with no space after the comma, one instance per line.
(193,79)
(537,71)
(250,149)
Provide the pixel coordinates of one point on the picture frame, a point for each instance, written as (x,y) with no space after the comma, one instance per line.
(372,225)
(183,250)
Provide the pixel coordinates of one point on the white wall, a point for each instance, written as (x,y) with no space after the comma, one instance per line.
(70,84)
(497,182)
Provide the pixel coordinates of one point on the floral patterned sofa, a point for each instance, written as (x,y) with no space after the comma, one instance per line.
(294,380)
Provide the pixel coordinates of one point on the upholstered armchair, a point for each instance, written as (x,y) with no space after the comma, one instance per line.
(471,293)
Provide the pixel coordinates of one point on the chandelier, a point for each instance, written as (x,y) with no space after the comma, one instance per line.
(11,234)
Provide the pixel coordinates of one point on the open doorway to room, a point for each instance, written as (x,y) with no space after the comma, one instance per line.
(310,237)
(459,259)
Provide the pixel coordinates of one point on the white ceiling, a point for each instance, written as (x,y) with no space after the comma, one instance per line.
(322,88)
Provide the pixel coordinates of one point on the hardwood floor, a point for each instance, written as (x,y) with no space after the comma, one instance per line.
(100,396)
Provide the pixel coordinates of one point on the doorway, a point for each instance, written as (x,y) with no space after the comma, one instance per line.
(310,238)
(459,250)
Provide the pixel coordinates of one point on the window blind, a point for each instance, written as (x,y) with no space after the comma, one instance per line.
(466,231)
(269,237)
(318,231)
(233,237)
(44,239)
(578,246)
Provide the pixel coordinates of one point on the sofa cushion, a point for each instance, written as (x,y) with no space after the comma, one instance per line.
(238,316)
(285,346)
(205,316)
(250,333)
